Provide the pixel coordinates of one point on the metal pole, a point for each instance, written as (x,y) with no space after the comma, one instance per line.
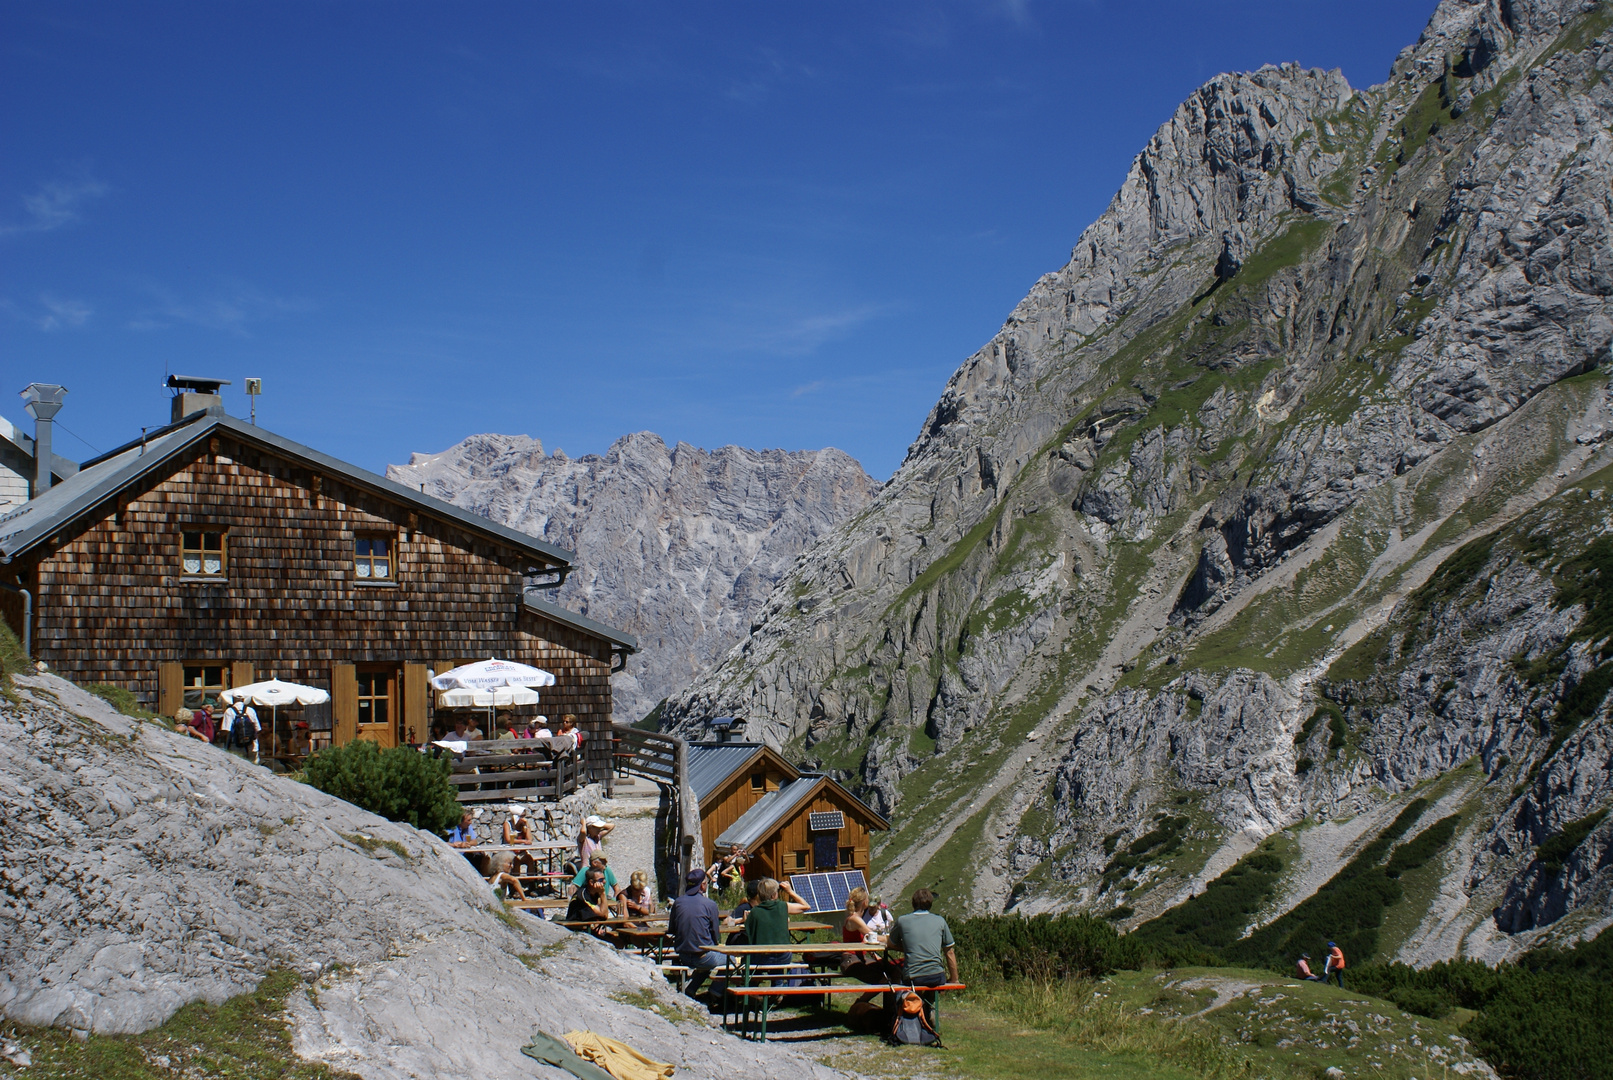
(27,618)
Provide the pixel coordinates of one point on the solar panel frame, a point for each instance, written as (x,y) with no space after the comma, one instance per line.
(828,891)
(826,821)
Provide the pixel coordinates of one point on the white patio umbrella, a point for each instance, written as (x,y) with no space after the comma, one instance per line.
(492,674)
(488,699)
(490,684)
(273,693)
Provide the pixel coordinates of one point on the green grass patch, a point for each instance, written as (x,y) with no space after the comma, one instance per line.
(246,1038)
(1551,855)
(122,700)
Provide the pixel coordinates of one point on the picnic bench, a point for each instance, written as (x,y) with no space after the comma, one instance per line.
(757,1000)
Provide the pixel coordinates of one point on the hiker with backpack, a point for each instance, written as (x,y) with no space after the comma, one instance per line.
(1335,964)
(241,729)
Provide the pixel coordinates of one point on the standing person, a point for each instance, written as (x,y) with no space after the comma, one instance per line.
(768,923)
(591,837)
(241,721)
(926,939)
(1335,964)
(693,924)
(1303,966)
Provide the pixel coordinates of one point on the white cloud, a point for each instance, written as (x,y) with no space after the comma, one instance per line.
(804,334)
(54,205)
(49,312)
(231,309)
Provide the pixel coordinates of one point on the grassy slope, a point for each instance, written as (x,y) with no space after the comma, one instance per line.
(243,1039)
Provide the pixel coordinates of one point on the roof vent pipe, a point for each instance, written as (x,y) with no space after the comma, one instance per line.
(44,401)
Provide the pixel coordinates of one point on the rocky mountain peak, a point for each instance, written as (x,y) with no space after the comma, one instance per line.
(1158,551)
(677,545)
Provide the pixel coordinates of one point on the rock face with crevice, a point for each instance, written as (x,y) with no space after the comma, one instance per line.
(676,545)
(1321,338)
(144,870)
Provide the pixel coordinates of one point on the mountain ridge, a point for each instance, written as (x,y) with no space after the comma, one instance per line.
(1321,338)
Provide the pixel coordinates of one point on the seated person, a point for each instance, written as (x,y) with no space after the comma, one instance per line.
(768,923)
(590,905)
(1303,965)
(568,736)
(461,732)
(864,967)
(638,898)
(742,910)
(878,917)
(538,728)
(463,835)
(498,873)
(300,744)
(600,865)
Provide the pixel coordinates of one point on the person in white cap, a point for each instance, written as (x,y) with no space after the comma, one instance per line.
(590,838)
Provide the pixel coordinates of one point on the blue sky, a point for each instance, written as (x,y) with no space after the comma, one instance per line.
(753,223)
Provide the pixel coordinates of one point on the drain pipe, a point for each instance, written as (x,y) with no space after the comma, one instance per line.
(27,617)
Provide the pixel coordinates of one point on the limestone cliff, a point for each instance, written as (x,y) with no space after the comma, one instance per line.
(1320,340)
(678,546)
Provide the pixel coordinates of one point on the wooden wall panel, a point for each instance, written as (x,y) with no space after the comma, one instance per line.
(112,605)
(241,673)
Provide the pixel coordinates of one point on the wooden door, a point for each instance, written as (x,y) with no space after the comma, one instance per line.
(170,687)
(413,724)
(377,703)
(343,704)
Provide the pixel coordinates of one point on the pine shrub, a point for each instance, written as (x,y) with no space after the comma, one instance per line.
(400,784)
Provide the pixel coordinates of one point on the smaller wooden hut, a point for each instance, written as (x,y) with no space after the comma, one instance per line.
(791,822)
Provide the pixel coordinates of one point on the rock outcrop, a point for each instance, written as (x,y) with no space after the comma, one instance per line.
(1321,338)
(678,546)
(144,870)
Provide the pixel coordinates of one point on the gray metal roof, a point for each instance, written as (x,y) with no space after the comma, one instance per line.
(104,476)
(551,610)
(755,824)
(711,764)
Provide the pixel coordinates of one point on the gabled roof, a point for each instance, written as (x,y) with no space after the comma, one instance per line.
(566,617)
(711,765)
(776,807)
(100,478)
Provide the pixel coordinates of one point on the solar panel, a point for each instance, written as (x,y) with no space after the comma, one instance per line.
(826,821)
(828,892)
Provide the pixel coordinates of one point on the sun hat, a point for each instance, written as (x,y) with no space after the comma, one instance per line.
(594,820)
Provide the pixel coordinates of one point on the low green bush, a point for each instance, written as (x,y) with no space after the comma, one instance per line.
(13,661)
(1215,918)
(1560,845)
(1046,947)
(400,783)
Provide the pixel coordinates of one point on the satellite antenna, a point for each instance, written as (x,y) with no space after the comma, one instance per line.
(254,387)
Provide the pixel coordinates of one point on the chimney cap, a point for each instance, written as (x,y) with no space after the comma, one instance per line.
(199,384)
(44,400)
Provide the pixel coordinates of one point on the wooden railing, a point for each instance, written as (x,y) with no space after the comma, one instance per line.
(664,759)
(499,769)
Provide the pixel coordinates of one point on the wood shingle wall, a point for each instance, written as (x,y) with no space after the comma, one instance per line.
(112,603)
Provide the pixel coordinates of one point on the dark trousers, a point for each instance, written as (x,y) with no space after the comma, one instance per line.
(1336,973)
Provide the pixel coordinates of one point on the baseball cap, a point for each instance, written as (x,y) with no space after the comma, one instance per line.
(695,876)
(593,819)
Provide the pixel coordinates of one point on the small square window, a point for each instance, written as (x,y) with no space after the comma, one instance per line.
(845,856)
(201,552)
(803,859)
(758,781)
(203,684)
(372,558)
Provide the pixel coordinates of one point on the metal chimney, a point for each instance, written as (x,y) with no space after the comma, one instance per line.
(44,401)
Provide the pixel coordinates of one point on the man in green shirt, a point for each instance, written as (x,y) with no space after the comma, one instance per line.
(768,922)
(926,939)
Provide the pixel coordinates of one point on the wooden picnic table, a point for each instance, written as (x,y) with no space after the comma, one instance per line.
(746,952)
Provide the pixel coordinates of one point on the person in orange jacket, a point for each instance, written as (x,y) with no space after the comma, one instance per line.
(1335,963)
